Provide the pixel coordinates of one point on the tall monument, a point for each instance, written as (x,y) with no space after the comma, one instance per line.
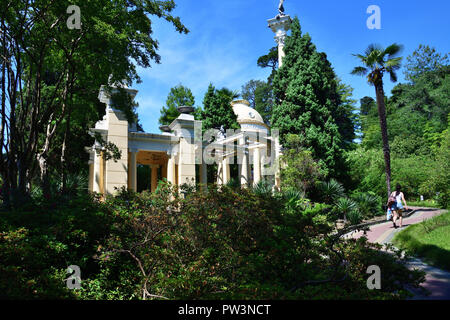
(280,25)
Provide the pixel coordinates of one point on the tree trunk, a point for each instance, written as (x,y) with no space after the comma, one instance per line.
(45,181)
(63,156)
(384,133)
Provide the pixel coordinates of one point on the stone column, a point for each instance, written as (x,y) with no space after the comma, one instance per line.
(91,176)
(225,171)
(280,25)
(279,38)
(154,182)
(204,175)
(133,170)
(171,169)
(183,127)
(277,163)
(244,164)
(102,173)
(116,172)
(256,166)
(96,183)
(220,173)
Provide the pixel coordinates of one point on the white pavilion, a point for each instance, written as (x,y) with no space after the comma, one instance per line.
(181,154)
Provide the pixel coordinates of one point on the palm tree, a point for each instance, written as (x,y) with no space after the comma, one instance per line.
(376,61)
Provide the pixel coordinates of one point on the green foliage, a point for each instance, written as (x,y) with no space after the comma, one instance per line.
(367,170)
(110,150)
(307,101)
(345,206)
(378,60)
(354,217)
(54,88)
(217,112)
(346,118)
(369,204)
(269,60)
(427,203)
(411,173)
(122,100)
(223,244)
(262,188)
(439,179)
(421,107)
(417,115)
(178,96)
(298,170)
(424,59)
(331,191)
(234,183)
(259,94)
(39,241)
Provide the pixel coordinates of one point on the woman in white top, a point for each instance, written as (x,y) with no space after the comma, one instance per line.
(397,208)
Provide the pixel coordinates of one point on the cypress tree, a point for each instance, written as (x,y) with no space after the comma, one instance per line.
(307,101)
(217,112)
(178,96)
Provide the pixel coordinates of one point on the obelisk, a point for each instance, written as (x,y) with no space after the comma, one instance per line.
(280,26)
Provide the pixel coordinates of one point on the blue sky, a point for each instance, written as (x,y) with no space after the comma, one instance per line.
(227,37)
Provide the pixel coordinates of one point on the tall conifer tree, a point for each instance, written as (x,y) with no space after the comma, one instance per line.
(217,112)
(178,96)
(307,101)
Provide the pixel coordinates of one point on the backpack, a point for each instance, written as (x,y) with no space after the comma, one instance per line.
(391,201)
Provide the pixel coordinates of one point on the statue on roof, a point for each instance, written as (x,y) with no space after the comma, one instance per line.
(281,8)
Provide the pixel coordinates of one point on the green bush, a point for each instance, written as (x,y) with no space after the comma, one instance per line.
(345,206)
(354,217)
(368,203)
(224,244)
(39,242)
(330,191)
(298,168)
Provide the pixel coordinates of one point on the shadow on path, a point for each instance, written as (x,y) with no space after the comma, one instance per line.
(437,280)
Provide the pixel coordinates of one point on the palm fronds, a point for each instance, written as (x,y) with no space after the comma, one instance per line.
(377,60)
(331,191)
(262,189)
(360,71)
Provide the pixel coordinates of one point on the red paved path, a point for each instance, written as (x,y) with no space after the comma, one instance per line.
(381,232)
(437,280)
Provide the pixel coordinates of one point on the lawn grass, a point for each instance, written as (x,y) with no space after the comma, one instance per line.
(425,203)
(429,240)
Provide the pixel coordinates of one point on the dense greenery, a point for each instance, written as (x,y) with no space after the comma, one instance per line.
(259,94)
(422,60)
(50,76)
(376,61)
(307,102)
(428,240)
(178,96)
(225,244)
(417,121)
(217,112)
